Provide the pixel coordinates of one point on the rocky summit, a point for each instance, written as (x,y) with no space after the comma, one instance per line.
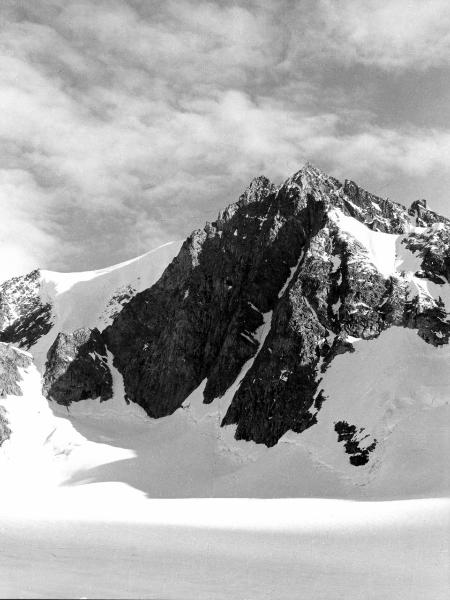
(256,307)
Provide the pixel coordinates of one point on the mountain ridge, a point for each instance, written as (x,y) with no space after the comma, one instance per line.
(252,314)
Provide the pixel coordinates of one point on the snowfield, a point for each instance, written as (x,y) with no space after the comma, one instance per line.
(232,549)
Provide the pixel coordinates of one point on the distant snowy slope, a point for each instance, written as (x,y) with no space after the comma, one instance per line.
(92,298)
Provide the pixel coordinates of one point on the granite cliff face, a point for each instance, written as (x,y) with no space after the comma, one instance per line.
(77,368)
(268,295)
(199,320)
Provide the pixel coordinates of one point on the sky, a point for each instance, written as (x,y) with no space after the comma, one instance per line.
(125,124)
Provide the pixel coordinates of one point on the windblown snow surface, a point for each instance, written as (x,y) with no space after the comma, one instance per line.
(97,500)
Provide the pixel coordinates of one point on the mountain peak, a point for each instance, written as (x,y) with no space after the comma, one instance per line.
(258,189)
(309,170)
(308,167)
(423,215)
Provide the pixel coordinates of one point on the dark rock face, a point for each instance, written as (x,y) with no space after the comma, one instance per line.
(77,368)
(278,391)
(424,217)
(24,317)
(433,247)
(380,214)
(199,320)
(11,360)
(27,330)
(431,322)
(332,295)
(353,439)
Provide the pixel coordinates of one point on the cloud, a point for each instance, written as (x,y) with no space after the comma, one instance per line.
(393,35)
(25,239)
(127,123)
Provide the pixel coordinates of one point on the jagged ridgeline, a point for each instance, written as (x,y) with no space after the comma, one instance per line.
(269,294)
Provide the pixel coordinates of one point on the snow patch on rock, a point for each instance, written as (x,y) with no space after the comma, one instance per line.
(379,247)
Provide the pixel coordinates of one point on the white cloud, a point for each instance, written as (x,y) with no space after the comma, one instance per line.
(393,34)
(25,240)
(124,123)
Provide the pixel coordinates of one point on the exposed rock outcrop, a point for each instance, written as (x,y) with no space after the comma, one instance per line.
(355,442)
(24,316)
(424,217)
(77,368)
(380,214)
(199,321)
(11,360)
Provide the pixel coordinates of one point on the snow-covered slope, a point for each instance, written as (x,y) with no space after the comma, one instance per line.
(232,548)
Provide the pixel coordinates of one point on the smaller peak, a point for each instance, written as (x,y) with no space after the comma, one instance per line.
(31,276)
(259,182)
(308,171)
(258,189)
(420,202)
(418,208)
(424,216)
(308,167)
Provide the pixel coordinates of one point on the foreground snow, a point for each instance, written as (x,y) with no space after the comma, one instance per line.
(283,549)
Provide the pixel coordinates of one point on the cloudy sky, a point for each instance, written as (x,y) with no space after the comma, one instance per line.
(128,123)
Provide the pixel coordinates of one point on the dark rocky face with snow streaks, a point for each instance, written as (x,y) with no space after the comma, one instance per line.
(24,315)
(268,295)
(77,368)
(313,262)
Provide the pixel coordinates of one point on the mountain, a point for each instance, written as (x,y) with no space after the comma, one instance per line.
(298,345)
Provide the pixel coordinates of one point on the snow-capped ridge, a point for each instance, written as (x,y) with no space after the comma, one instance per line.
(63,282)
